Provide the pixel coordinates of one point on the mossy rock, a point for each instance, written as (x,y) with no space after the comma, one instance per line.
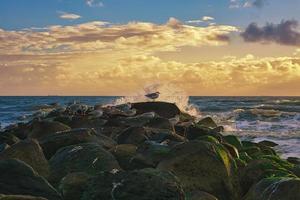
(200,195)
(20,197)
(245,157)
(207,122)
(203,166)
(267,143)
(8,138)
(44,128)
(143,184)
(232,150)
(233,140)
(275,189)
(90,158)
(208,138)
(124,154)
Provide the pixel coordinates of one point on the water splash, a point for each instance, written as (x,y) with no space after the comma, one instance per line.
(168,93)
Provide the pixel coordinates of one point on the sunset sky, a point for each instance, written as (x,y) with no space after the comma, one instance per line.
(118,47)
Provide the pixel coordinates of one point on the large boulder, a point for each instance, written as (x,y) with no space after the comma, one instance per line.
(52,143)
(18,178)
(86,157)
(200,195)
(207,122)
(275,188)
(73,185)
(124,154)
(8,138)
(164,109)
(44,128)
(134,185)
(134,135)
(203,166)
(31,153)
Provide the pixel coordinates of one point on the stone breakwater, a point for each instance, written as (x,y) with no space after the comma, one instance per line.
(138,151)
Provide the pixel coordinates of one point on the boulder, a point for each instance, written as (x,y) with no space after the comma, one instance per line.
(203,166)
(3,147)
(31,153)
(124,154)
(163,109)
(267,143)
(90,158)
(294,160)
(73,185)
(133,135)
(18,178)
(86,122)
(207,122)
(143,184)
(275,188)
(20,197)
(256,170)
(233,140)
(52,143)
(8,138)
(44,128)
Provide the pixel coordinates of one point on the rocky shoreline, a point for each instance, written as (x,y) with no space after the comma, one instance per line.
(138,151)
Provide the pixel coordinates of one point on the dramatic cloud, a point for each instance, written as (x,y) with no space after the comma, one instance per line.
(285,33)
(70,16)
(94,3)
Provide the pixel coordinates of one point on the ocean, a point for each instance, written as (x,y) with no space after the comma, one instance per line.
(252,118)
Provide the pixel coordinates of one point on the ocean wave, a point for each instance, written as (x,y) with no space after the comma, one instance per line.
(288,102)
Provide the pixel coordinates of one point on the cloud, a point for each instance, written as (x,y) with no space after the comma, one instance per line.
(70,16)
(247,3)
(285,33)
(207,18)
(204,19)
(94,3)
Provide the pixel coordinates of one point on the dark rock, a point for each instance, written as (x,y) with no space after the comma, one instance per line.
(90,158)
(233,140)
(207,122)
(268,143)
(232,150)
(44,128)
(124,154)
(143,184)
(73,185)
(18,178)
(294,160)
(8,138)
(31,153)
(164,109)
(52,143)
(87,122)
(159,123)
(20,197)
(203,166)
(134,135)
(275,188)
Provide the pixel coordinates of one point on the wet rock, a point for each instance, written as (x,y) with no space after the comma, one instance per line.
(134,185)
(232,150)
(73,185)
(52,143)
(20,197)
(136,121)
(233,140)
(159,123)
(195,131)
(31,153)
(267,143)
(207,122)
(275,188)
(90,158)
(134,135)
(8,138)
(203,166)
(86,122)
(163,109)
(124,154)
(294,160)
(44,128)
(18,178)
(256,170)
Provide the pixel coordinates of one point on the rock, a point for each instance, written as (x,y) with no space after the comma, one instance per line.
(275,188)
(159,123)
(199,195)
(133,135)
(203,166)
(294,160)
(31,153)
(259,169)
(18,178)
(136,121)
(44,128)
(232,150)
(73,185)
(3,147)
(207,122)
(8,138)
(267,143)
(163,109)
(143,184)
(52,143)
(19,197)
(233,140)
(86,122)
(90,158)
(124,154)
(195,131)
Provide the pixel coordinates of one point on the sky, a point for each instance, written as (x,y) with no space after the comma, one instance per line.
(119,47)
